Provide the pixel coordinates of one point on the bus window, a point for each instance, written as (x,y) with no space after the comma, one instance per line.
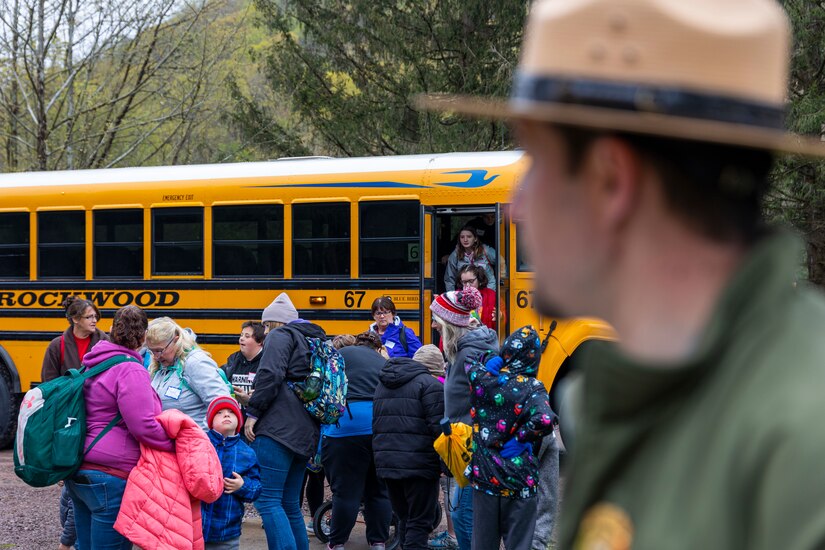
(248,240)
(320,239)
(389,238)
(118,243)
(61,244)
(521,255)
(177,241)
(14,245)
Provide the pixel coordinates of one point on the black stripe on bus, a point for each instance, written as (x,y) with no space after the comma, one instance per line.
(238,314)
(35,336)
(385,283)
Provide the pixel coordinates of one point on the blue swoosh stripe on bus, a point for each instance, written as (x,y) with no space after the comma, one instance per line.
(350,184)
(476,179)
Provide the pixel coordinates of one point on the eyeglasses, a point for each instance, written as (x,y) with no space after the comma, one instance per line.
(468,281)
(157,352)
(90,317)
(381,313)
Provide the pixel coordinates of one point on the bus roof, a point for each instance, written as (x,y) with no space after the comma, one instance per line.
(236,171)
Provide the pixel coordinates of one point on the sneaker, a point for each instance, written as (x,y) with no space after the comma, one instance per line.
(310,529)
(442,541)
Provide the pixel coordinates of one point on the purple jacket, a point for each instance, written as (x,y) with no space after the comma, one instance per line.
(124,388)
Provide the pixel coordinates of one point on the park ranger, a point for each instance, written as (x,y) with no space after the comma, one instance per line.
(652,126)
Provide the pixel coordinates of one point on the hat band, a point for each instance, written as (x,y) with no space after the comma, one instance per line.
(648,99)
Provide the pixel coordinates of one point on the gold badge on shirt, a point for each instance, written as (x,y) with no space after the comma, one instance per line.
(605,526)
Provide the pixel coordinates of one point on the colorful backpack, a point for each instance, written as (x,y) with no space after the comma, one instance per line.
(324,392)
(51,427)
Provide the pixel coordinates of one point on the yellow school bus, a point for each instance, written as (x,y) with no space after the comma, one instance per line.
(212,245)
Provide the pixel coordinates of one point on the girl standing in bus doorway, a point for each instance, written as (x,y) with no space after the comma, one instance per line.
(475,276)
(67,352)
(471,251)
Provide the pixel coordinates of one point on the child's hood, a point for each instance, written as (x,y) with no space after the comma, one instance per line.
(521,352)
(400,370)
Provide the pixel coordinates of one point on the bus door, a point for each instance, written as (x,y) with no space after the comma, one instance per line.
(445,226)
(503,272)
(427,271)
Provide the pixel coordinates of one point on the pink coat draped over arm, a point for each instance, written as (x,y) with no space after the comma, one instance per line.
(161,506)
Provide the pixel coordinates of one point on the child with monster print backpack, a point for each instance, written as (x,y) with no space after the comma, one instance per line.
(510,411)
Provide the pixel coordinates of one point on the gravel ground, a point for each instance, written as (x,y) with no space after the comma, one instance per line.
(28,517)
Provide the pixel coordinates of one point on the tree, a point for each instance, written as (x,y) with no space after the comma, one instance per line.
(798,192)
(99,84)
(347,71)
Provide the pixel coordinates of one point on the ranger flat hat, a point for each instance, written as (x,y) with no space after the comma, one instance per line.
(703,70)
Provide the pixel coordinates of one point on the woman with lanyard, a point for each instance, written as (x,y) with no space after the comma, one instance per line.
(184,376)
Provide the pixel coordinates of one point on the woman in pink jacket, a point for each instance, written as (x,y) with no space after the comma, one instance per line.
(124,390)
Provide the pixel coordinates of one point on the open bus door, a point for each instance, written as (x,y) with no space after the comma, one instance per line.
(427,272)
(503,272)
(440,229)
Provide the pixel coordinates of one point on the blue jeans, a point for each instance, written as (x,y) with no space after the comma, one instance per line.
(462,514)
(282,473)
(96,497)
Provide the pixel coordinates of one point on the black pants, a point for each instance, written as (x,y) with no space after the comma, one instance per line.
(414,501)
(350,469)
(496,518)
(313,491)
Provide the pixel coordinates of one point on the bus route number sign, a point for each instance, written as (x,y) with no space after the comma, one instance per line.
(353,298)
(525,299)
(413,252)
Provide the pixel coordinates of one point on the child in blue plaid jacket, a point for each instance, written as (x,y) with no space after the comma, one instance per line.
(242,476)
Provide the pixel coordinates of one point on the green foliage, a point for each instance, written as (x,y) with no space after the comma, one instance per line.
(139,84)
(798,193)
(349,69)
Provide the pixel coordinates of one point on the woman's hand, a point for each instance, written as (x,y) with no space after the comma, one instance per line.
(249,428)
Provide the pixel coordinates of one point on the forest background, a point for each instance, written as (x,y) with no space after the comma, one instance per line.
(112,83)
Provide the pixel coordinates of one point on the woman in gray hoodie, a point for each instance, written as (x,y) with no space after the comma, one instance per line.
(184,376)
(464,339)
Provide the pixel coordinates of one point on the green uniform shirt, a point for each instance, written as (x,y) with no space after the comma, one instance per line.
(724,450)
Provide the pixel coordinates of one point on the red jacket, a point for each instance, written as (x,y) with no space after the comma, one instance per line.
(161,506)
(487,312)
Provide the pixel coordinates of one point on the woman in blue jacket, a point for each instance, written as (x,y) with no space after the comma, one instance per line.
(398,340)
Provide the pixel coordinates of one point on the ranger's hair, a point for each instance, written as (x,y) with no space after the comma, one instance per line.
(717,190)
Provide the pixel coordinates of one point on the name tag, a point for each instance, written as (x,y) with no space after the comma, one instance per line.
(172,393)
(390,345)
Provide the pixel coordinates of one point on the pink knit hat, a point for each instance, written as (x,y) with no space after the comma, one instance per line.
(455,306)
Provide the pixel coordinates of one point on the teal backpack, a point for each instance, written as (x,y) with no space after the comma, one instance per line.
(324,392)
(51,427)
